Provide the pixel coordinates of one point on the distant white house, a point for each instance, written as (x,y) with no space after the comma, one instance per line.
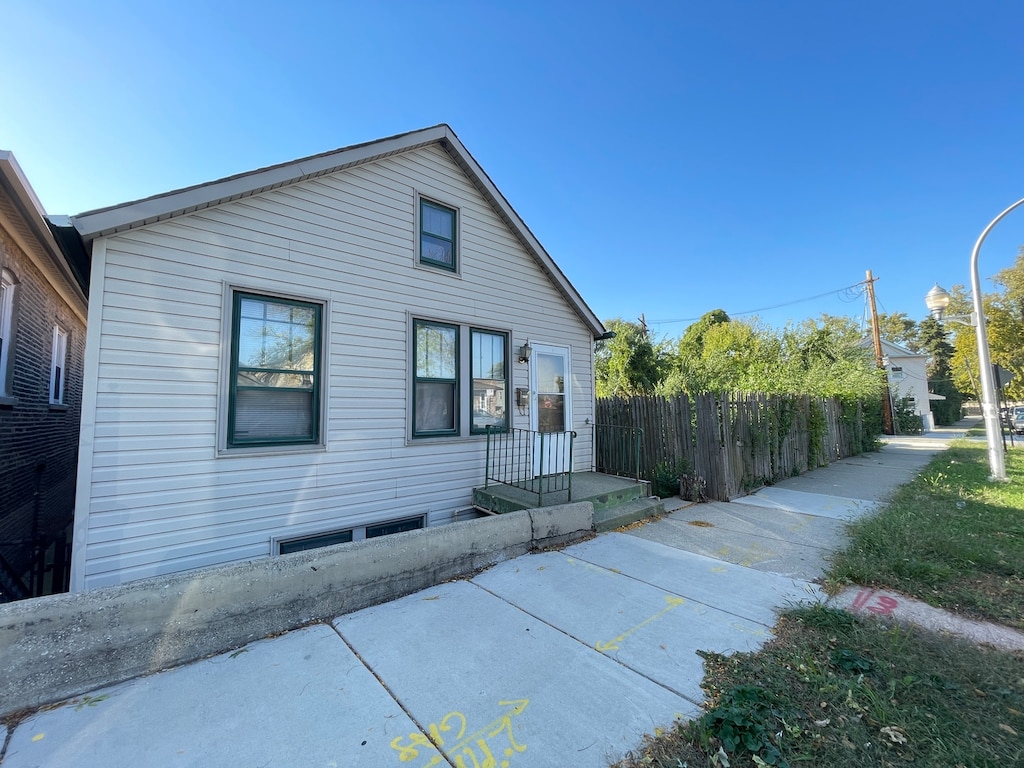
(907,373)
(311,353)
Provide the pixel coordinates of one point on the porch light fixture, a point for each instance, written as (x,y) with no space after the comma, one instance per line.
(525,351)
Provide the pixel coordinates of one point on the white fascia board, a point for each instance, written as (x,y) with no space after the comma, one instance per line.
(93,224)
(507,212)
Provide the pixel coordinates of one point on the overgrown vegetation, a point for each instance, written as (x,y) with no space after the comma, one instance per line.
(820,358)
(835,690)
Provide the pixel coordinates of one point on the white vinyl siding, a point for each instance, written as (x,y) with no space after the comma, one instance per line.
(160,498)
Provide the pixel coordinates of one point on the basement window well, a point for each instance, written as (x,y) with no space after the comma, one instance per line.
(284,546)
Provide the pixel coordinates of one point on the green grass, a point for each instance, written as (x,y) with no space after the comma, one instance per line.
(950,538)
(836,690)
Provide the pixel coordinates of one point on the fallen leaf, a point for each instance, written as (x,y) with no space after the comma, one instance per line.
(1008,729)
(895,734)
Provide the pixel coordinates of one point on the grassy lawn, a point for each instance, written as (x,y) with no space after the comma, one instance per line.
(835,690)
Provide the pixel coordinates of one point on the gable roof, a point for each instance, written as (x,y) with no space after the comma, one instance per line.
(891,349)
(126,216)
(23,215)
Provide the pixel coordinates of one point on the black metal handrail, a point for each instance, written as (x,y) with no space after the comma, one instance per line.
(536,462)
(617,450)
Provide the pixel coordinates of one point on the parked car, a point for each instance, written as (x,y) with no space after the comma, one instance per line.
(1017,420)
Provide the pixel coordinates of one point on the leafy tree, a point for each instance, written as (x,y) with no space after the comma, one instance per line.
(1004,314)
(629,363)
(933,342)
(692,341)
(898,328)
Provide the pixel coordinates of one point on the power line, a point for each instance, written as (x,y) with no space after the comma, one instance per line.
(848,293)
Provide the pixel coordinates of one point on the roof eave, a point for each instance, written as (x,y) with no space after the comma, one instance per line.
(63,274)
(119,218)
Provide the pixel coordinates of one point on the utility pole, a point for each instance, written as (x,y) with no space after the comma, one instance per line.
(877,334)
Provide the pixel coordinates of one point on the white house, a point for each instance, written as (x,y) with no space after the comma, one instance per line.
(311,353)
(908,378)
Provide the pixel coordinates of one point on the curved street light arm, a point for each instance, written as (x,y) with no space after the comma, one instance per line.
(989,404)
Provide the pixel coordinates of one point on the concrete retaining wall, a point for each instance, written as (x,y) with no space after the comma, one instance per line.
(52,648)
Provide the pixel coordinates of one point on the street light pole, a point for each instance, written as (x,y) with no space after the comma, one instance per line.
(989,404)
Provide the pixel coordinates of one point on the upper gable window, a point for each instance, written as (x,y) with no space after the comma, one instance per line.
(438,228)
(274,396)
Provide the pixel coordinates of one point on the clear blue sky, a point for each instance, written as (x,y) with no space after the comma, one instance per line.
(673,157)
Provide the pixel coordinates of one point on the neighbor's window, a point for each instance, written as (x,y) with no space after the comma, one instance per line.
(275,371)
(57,364)
(437,236)
(488,352)
(436,384)
(6,326)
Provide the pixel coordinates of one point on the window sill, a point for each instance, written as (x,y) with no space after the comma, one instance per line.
(445,439)
(58,408)
(8,402)
(269,450)
(437,269)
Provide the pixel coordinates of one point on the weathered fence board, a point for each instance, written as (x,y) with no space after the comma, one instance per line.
(733,444)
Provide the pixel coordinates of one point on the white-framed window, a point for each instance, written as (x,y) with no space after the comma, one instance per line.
(445,357)
(58,365)
(275,371)
(7,287)
(896,373)
(438,235)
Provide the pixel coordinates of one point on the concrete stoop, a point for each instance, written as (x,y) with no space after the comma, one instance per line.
(610,518)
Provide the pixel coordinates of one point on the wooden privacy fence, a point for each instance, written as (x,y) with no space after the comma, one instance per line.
(725,445)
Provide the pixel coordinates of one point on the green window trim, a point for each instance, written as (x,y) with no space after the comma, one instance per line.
(274,393)
(435,384)
(438,244)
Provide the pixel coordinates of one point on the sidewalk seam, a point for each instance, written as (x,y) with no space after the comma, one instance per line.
(390,693)
(590,647)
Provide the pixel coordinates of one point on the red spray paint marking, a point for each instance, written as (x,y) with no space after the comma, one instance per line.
(870,600)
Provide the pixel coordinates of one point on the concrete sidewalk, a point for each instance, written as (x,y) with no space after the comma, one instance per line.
(564,658)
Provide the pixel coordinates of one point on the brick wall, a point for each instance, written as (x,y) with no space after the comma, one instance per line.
(38,441)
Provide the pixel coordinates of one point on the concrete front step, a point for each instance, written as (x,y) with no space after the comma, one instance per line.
(603,491)
(610,518)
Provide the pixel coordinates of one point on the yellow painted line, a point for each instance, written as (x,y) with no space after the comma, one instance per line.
(613,644)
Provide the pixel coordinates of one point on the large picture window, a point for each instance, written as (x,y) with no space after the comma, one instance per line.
(436,385)
(275,371)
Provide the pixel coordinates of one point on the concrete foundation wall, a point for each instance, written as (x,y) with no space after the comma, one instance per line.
(52,648)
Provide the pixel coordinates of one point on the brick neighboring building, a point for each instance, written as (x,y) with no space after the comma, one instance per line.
(43,308)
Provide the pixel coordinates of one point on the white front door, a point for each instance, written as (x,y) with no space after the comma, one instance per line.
(551,408)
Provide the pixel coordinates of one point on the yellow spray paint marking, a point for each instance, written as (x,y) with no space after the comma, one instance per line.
(613,644)
(755,631)
(39,737)
(719,569)
(472,751)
